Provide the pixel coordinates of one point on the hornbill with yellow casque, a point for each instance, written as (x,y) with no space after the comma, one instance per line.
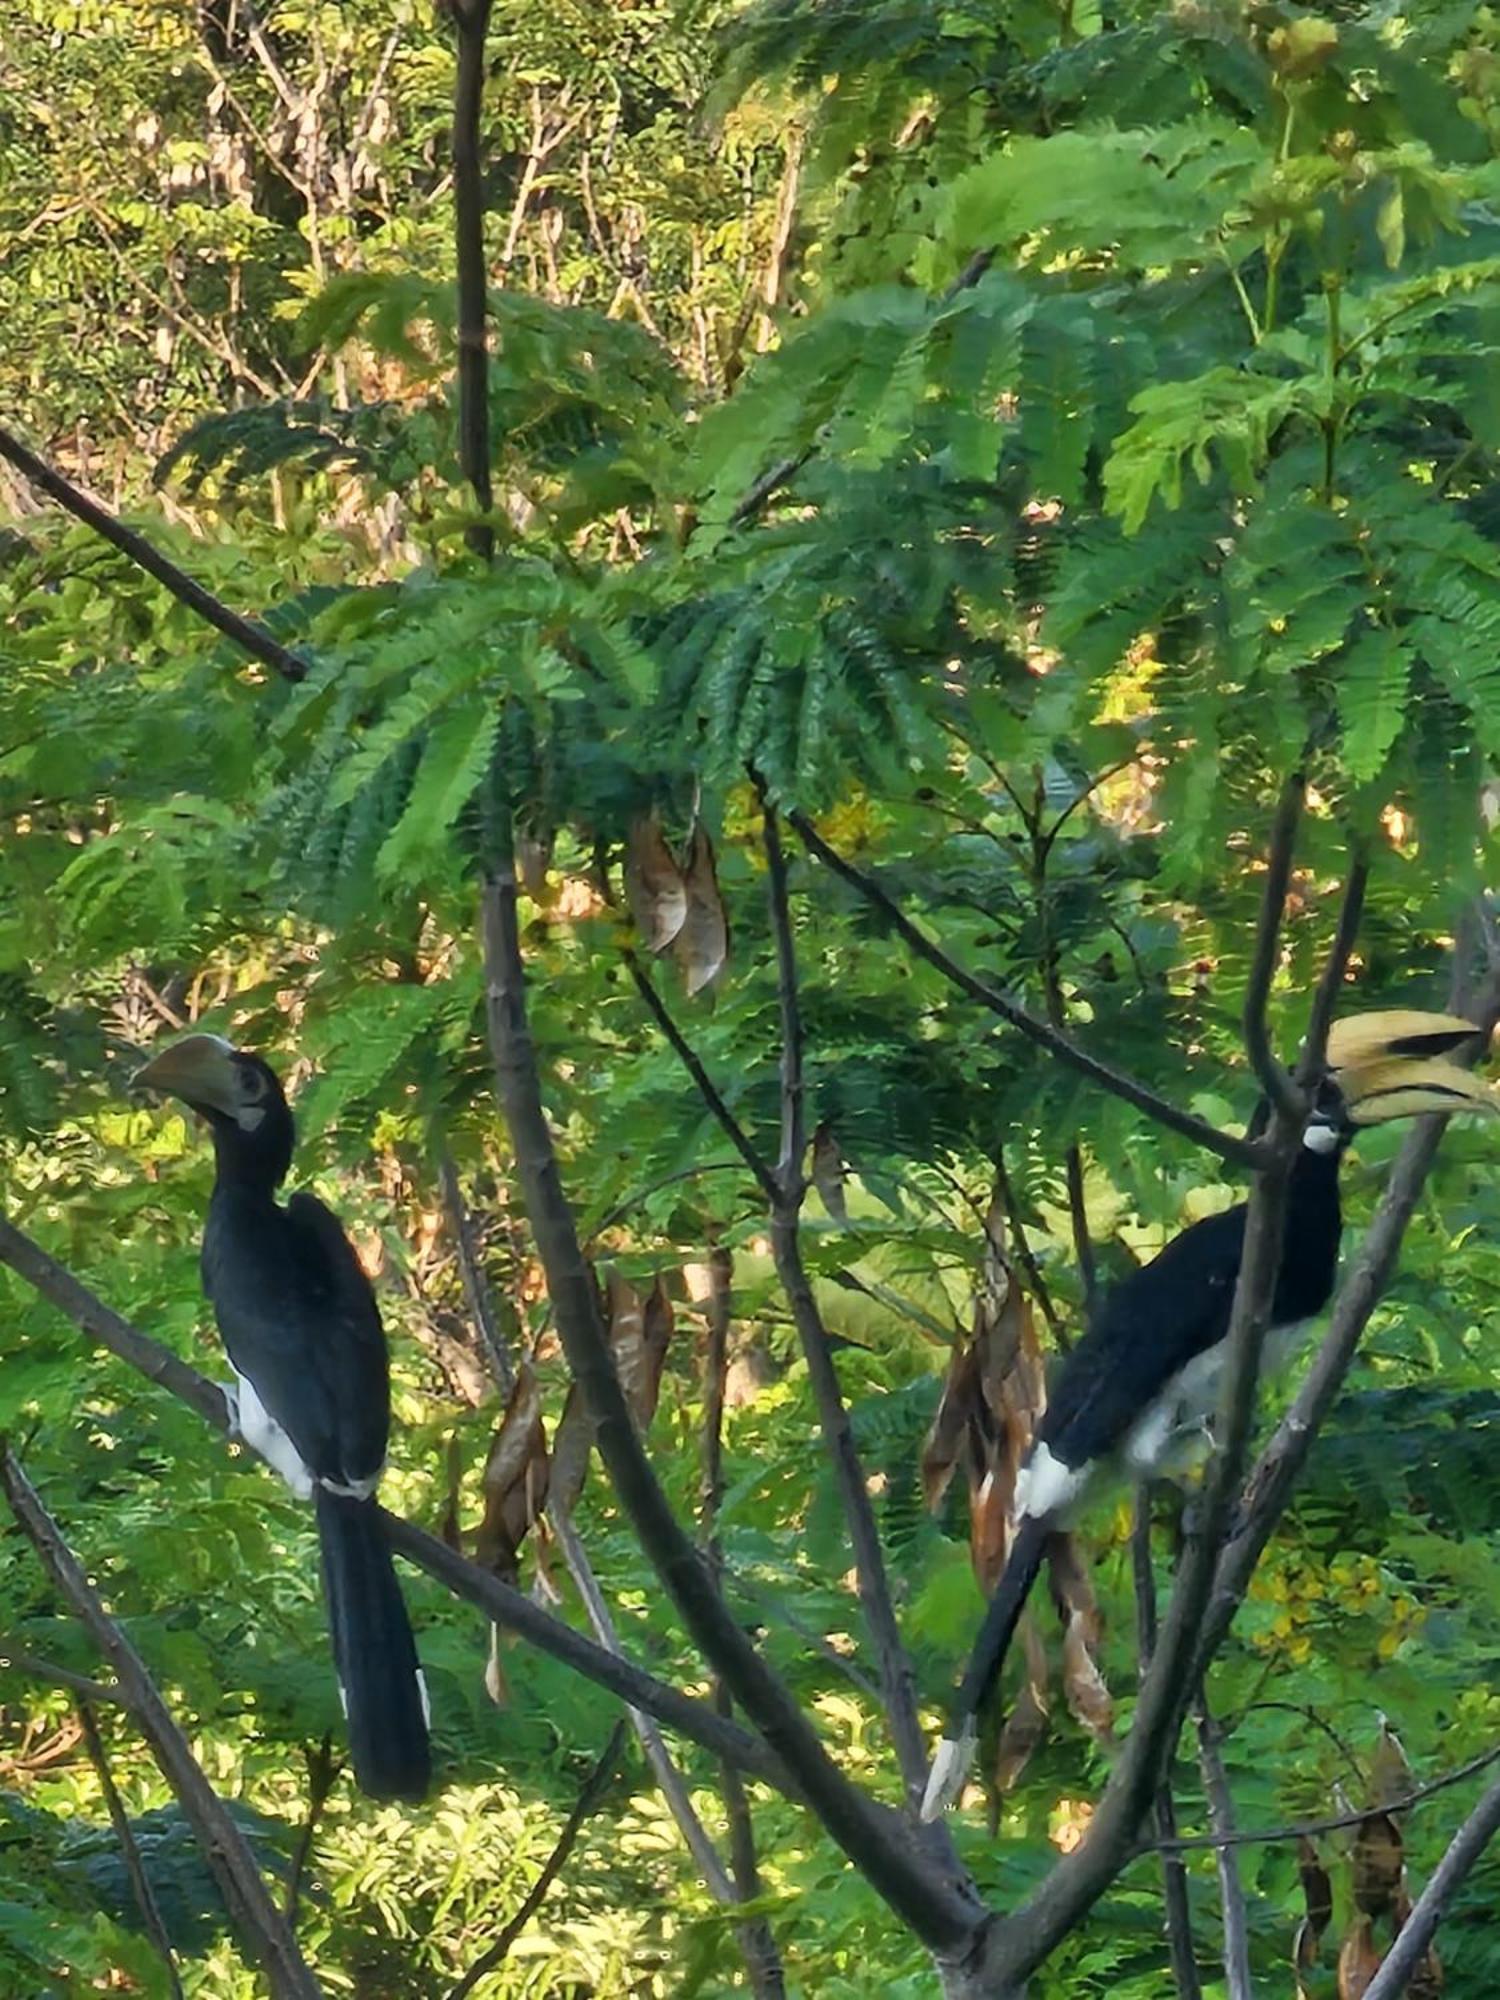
(312,1391)
(1149,1367)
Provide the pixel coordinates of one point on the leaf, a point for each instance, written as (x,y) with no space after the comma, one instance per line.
(1371,680)
(1359,1961)
(1089,1700)
(1026,1725)
(828,1172)
(1379,1865)
(515,1478)
(1391,1776)
(946,1434)
(455,758)
(639,1334)
(701,941)
(654,886)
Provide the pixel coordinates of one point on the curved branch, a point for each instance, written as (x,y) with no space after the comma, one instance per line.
(1227,1145)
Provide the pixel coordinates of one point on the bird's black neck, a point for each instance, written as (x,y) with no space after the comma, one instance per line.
(254,1163)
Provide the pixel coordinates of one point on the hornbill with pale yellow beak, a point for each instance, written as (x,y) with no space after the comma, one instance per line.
(1149,1368)
(312,1389)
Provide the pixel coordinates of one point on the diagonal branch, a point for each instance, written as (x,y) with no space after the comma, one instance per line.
(585,1805)
(471,18)
(259,1924)
(249,637)
(897,1685)
(1227,1145)
(498,1601)
(1286,1099)
(135,1867)
(937,1909)
(1416,1934)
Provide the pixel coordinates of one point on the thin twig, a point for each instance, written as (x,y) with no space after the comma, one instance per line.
(323,1772)
(585,1805)
(1036,1284)
(707,1089)
(259,1924)
(1227,1145)
(471,18)
(1275,1081)
(135,1867)
(476,1286)
(14,1659)
(1416,1934)
(896,1679)
(249,637)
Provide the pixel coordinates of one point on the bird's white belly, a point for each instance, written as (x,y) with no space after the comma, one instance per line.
(1191,1399)
(265,1437)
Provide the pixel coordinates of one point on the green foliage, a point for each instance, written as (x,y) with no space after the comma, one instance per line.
(1129,384)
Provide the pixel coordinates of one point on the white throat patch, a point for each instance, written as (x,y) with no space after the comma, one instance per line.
(1320,1138)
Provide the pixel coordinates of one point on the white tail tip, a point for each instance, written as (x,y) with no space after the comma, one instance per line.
(950,1770)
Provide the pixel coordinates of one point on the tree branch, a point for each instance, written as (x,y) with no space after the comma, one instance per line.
(897,1685)
(585,1805)
(1173,1873)
(323,1773)
(135,1867)
(1238,1981)
(707,1089)
(17,1660)
(476,1288)
(471,18)
(1286,1099)
(260,1926)
(1416,1934)
(1226,1145)
(248,636)
(498,1601)
(938,1910)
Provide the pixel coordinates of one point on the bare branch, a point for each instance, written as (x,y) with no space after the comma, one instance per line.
(1173,1873)
(472,19)
(587,1803)
(499,1602)
(1278,1086)
(249,637)
(1238,1982)
(897,1684)
(323,1773)
(1325,1000)
(476,1287)
(15,1659)
(135,1867)
(1227,1145)
(259,1924)
(1416,1934)
(938,1910)
(707,1089)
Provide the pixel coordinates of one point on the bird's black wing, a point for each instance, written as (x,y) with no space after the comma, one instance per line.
(352,1354)
(301,1324)
(1147,1328)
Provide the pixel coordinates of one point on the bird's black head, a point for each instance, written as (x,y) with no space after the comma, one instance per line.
(240,1097)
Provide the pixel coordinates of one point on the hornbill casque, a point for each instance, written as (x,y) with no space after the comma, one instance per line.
(312,1394)
(1147,1371)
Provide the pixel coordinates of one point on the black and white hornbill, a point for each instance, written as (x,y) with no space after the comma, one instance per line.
(1148,1369)
(312,1390)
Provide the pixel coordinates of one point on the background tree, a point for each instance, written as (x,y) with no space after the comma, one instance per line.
(1021,450)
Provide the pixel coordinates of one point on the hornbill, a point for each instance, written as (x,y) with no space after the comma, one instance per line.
(1148,1369)
(312,1390)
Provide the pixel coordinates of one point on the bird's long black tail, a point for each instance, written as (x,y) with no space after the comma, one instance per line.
(374,1653)
(950,1767)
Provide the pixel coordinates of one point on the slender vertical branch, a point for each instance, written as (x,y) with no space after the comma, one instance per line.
(1238,1981)
(1416,1934)
(938,1910)
(1036,1284)
(477,1292)
(472,19)
(1164,1812)
(323,1773)
(259,1924)
(135,1867)
(897,1684)
(1285,1097)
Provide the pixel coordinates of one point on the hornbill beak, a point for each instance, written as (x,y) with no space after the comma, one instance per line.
(199,1069)
(1397,1064)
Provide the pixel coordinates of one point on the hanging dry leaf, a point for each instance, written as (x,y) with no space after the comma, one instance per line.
(701,941)
(1026,1724)
(533,859)
(989,1509)
(657,1322)
(495,1684)
(828,1172)
(1391,1776)
(1379,1863)
(572,1443)
(515,1478)
(1317,1888)
(1427,1982)
(958,1408)
(1088,1699)
(654,887)
(1359,1961)
(450,1530)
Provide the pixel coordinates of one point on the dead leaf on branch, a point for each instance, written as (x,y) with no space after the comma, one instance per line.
(828,1172)
(701,940)
(1089,1701)
(654,886)
(515,1478)
(1379,1865)
(1026,1725)
(1359,1961)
